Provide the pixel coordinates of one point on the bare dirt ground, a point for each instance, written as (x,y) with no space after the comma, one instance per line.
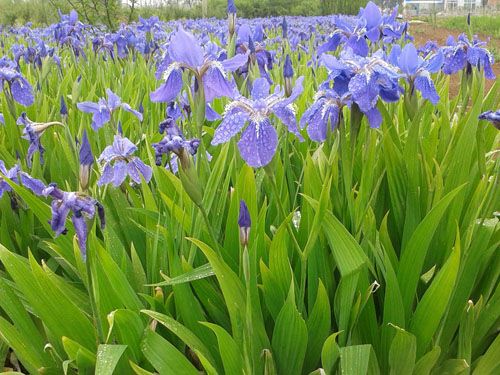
(422,32)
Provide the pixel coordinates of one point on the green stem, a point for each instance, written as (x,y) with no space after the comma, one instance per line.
(283,214)
(211,232)
(93,305)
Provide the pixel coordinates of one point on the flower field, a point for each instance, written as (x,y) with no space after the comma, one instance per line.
(299,195)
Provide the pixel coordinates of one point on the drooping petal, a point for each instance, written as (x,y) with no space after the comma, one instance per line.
(374,117)
(119,172)
(35,185)
(81,233)
(22,92)
(233,122)
(435,63)
(60,212)
(88,107)
(100,118)
(363,92)
(169,90)
(287,117)
(235,62)
(128,108)
(210,114)
(424,84)
(185,48)
(216,85)
(107,175)
(258,143)
(145,170)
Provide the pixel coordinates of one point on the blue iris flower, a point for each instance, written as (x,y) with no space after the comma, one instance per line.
(102,110)
(366,79)
(79,205)
(326,109)
(259,140)
(119,162)
(11,174)
(174,143)
(10,79)
(463,53)
(32,132)
(185,52)
(418,71)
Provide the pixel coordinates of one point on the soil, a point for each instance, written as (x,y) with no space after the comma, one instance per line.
(422,32)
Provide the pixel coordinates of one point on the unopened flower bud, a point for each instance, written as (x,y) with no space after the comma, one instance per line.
(287,75)
(86,160)
(244,222)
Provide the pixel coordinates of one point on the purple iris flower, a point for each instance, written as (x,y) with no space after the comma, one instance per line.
(326,109)
(465,54)
(366,79)
(19,88)
(259,140)
(175,143)
(103,109)
(32,132)
(2,119)
(11,174)
(185,52)
(493,117)
(119,162)
(252,45)
(417,70)
(63,203)
(355,32)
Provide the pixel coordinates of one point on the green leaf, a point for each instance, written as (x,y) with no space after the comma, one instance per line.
(431,308)
(108,357)
(427,362)
(230,352)
(413,256)
(198,273)
(488,363)
(231,286)
(330,353)
(289,341)
(318,328)
(403,352)
(164,357)
(358,360)
(188,337)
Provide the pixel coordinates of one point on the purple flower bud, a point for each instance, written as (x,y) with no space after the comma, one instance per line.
(64,110)
(231,7)
(86,160)
(120,128)
(468,18)
(86,157)
(244,222)
(284,28)
(288,68)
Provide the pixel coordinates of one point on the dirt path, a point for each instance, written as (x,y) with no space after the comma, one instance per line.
(422,32)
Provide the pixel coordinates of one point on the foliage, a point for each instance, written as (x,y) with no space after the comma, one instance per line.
(375,251)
